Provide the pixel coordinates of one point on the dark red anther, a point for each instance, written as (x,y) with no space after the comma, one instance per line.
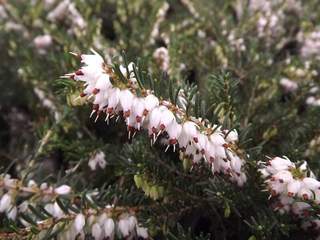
(195,139)
(145,112)
(110,110)
(131,128)
(72,76)
(126,114)
(203,151)
(95,106)
(305,197)
(95,91)
(306,213)
(79,73)
(83,94)
(225,145)
(162,126)
(173,141)
(154,130)
(138,119)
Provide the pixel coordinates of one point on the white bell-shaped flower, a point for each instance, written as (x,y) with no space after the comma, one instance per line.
(151,101)
(12,213)
(62,190)
(294,187)
(92,59)
(113,95)
(5,202)
(142,232)
(138,108)
(311,183)
(124,227)
(109,227)
(174,131)
(97,231)
(166,118)
(103,83)
(126,100)
(154,120)
(190,130)
(79,222)
(232,136)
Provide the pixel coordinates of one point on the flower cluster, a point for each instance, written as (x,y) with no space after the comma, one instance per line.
(66,11)
(161,15)
(11,189)
(101,223)
(141,109)
(294,187)
(97,160)
(310,44)
(42,43)
(162,58)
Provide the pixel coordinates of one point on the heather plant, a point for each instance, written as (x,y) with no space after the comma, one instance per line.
(159,119)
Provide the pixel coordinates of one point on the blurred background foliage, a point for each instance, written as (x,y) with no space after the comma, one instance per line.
(255,64)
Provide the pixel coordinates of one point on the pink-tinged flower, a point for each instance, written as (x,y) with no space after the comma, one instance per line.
(281,163)
(300,208)
(311,183)
(232,136)
(190,149)
(305,194)
(154,121)
(100,100)
(113,95)
(217,139)
(108,227)
(210,152)
(79,222)
(42,42)
(150,103)
(142,232)
(138,108)
(166,118)
(97,231)
(103,83)
(5,202)
(12,213)
(92,59)
(283,176)
(174,131)
(62,190)
(235,161)
(124,227)
(294,187)
(190,130)
(88,74)
(202,143)
(126,100)
(276,188)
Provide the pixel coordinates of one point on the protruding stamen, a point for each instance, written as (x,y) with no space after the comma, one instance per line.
(93,111)
(167,148)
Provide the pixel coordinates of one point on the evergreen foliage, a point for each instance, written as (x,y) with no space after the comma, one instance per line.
(248,65)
